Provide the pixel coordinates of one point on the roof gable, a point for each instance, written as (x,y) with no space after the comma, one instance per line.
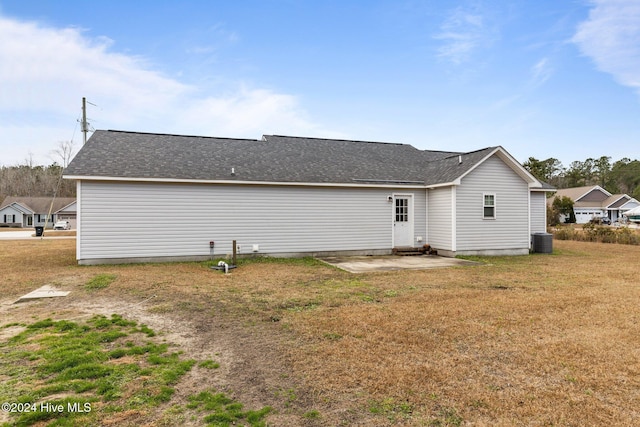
(508,160)
(39,205)
(630,204)
(16,206)
(70,208)
(615,201)
(590,193)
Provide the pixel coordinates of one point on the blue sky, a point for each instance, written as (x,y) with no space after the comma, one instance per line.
(544,79)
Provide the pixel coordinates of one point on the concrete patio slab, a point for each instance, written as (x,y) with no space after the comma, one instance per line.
(364,264)
(46,291)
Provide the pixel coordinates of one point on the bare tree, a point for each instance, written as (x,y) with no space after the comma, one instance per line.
(63,153)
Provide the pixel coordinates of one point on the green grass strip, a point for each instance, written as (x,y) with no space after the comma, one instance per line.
(68,366)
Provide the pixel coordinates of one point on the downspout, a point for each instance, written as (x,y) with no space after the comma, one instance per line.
(529,218)
(454,220)
(78,220)
(545,212)
(426,216)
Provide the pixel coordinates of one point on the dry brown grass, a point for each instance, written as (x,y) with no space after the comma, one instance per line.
(534,340)
(59,233)
(538,341)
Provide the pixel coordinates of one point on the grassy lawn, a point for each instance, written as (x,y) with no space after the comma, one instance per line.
(84,373)
(532,340)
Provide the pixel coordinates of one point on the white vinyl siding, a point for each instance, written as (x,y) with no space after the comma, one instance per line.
(510,228)
(440,218)
(629,205)
(538,212)
(153,220)
(419,201)
(10,215)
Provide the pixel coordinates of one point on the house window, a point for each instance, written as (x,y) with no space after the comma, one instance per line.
(43,218)
(489,206)
(402,210)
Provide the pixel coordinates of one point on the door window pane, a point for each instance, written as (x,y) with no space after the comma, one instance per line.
(402,210)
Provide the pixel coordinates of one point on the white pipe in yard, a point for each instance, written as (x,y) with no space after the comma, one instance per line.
(225,265)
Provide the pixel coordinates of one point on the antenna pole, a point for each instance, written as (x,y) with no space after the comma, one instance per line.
(84,119)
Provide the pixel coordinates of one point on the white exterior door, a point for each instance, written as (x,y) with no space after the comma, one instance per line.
(402,220)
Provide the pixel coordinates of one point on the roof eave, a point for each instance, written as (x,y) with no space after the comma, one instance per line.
(543,190)
(240,182)
(444,184)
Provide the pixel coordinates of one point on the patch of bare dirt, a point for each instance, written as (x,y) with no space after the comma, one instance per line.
(254,368)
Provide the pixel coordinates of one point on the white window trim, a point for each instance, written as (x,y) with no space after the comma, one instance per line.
(495,206)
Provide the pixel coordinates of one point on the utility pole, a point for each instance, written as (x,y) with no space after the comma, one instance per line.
(84,120)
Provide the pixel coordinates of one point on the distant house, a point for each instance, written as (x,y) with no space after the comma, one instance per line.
(594,202)
(34,211)
(154,197)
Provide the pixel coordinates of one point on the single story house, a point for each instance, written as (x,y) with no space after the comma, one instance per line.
(27,212)
(594,201)
(155,197)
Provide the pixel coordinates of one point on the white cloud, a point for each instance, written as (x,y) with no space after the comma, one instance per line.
(611,38)
(45,72)
(47,68)
(462,33)
(540,72)
(245,112)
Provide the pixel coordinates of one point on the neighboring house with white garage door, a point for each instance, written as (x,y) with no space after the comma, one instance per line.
(154,197)
(593,201)
(29,212)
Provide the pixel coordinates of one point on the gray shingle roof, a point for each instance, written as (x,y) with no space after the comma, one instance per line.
(275,158)
(39,205)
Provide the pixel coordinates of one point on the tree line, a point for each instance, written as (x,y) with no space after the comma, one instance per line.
(622,176)
(31,180)
(35,181)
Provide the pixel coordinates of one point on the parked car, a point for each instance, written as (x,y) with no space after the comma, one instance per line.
(62,225)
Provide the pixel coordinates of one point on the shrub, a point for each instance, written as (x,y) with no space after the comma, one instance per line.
(597,233)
